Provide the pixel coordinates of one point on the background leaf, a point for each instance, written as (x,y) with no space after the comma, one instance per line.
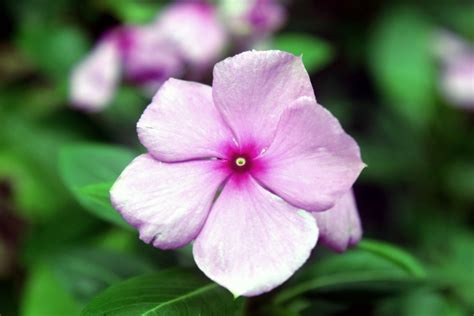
(29,159)
(53,48)
(89,171)
(372,266)
(132,11)
(170,292)
(419,303)
(45,295)
(85,272)
(459,180)
(316,52)
(395,255)
(400,60)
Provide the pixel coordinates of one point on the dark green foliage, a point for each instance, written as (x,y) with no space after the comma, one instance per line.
(169,292)
(89,172)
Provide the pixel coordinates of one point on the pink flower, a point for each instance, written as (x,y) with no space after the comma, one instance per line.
(340,227)
(457,58)
(186,35)
(255,18)
(195,30)
(94,80)
(238,168)
(457,81)
(148,57)
(141,53)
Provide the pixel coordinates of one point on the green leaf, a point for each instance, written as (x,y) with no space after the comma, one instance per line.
(457,17)
(96,198)
(121,116)
(89,171)
(373,266)
(117,239)
(396,255)
(419,303)
(53,48)
(66,229)
(132,11)
(127,106)
(448,245)
(169,292)
(400,59)
(85,272)
(459,180)
(304,307)
(316,52)
(45,295)
(29,189)
(32,170)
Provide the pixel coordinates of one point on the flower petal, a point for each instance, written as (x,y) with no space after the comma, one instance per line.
(340,227)
(201,38)
(252,240)
(457,81)
(182,123)
(252,89)
(266,16)
(257,18)
(95,79)
(168,203)
(149,59)
(312,162)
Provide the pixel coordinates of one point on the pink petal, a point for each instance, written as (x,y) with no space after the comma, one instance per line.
(266,15)
(149,58)
(252,89)
(195,30)
(253,241)
(182,123)
(312,162)
(340,227)
(457,81)
(256,18)
(94,80)
(168,203)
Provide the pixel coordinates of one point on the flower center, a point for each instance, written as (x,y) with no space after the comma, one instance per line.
(240,161)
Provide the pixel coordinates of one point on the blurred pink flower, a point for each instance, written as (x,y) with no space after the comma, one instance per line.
(186,35)
(195,30)
(94,80)
(238,168)
(253,18)
(458,81)
(457,58)
(148,57)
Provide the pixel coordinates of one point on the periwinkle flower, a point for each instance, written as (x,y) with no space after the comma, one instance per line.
(195,30)
(340,227)
(458,81)
(253,18)
(239,169)
(457,74)
(186,35)
(148,58)
(95,79)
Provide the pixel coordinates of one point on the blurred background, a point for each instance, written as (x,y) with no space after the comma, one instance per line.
(76,75)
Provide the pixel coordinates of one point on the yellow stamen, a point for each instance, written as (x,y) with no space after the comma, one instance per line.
(240,161)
